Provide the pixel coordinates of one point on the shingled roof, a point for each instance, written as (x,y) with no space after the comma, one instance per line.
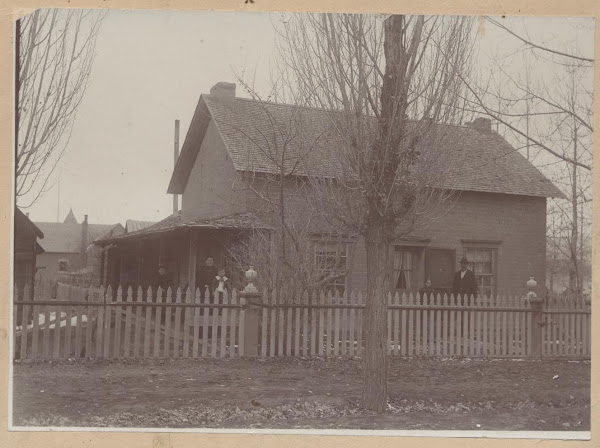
(177,221)
(474,160)
(133,225)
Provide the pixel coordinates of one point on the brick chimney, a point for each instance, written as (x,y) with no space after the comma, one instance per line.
(84,241)
(223,90)
(483,125)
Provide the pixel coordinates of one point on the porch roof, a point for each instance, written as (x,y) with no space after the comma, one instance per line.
(176,221)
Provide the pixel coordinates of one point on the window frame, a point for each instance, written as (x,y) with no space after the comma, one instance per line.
(339,285)
(417,250)
(484,245)
(63,262)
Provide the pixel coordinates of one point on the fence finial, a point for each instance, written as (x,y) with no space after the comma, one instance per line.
(531,284)
(251,275)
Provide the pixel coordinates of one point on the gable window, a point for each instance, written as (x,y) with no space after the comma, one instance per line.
(482,261)
(331,261)
(63,265)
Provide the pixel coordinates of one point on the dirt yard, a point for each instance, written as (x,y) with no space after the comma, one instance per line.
(296,393)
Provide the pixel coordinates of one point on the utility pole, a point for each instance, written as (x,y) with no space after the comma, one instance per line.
(175,157)
(16,93)
(574,271)
(527,124)
(58,204)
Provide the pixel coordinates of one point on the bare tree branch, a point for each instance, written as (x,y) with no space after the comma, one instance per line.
(533,45)
(56,51)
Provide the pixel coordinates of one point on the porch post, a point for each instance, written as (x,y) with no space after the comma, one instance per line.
(139,263)
(122,257)
(536,321)
(193,246)
(33,265)
(250,299)
(162,258)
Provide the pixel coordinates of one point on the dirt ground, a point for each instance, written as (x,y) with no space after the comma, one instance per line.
(296,393)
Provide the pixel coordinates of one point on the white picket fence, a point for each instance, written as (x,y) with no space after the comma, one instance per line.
(416,326)
(128,325)
(98,323)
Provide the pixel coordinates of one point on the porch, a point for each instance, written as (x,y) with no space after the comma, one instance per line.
(181,246)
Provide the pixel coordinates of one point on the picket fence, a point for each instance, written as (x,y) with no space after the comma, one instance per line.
(440,326)
(99,323)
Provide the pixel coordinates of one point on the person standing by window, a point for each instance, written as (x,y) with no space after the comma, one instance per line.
(464,283)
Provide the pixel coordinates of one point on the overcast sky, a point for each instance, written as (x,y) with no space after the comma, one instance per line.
(150,69)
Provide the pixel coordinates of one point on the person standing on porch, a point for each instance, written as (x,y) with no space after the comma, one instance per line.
(162,279)
(465,283)
(220,285)
(206,275)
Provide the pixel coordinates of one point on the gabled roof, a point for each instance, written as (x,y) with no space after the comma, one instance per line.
(23,222)
(132,225)
(475,160)
(60,237)
(176,221)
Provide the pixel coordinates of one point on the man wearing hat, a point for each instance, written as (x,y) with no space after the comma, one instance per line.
(465,283)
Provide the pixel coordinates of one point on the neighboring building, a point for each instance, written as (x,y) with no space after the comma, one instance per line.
(68,247)
(26,249)
(132,225)
(498,218)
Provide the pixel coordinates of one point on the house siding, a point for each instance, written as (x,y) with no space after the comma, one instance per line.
(517,222)
(47,264)
(209,192)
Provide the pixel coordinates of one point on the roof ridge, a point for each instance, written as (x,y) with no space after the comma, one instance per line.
(322,109)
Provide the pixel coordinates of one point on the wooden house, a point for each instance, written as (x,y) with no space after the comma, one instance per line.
(26,249)
(68,247)
(497,218)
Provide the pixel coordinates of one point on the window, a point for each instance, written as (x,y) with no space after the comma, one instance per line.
(482,263)
(404,268)
(63,265)
(331,260)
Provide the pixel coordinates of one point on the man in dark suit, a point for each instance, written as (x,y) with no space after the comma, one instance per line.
(465,283)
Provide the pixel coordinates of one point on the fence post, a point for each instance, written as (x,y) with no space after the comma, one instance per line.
(250,299)
(536,322)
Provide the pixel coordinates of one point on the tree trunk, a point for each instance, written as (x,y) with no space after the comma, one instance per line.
(375,319)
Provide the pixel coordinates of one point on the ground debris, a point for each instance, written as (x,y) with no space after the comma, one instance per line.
(291,394)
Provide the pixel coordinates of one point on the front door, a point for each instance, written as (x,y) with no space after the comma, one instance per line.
(439,268)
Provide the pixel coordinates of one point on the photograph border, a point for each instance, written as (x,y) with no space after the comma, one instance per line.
(29,437)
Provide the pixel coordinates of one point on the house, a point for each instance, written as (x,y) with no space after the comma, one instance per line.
(132,225)
(497,218)
(26,249)
(68,247)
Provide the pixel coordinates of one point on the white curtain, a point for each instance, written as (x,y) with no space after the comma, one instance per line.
(403,266)
(481,259)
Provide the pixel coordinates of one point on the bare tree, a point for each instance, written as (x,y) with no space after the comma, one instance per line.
(279,196)
(574,140)
(523,103)
(387,89)
(549,111)
(55,53)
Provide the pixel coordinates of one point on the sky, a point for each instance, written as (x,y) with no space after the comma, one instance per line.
(150,69)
